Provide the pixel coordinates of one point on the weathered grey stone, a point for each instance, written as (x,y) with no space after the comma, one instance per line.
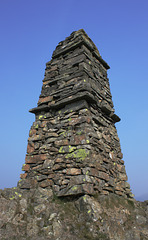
(141,220)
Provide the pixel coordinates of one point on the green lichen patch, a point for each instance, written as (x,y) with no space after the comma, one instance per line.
(81,154)
(12,198)
(23,167)
(61,150)
(71,149)
(36,126)
(18,194)
(69,119)
(64,134)
(79,133)
(74,188)
(40,117)
(84,198)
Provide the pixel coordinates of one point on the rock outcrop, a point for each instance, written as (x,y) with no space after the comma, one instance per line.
(37,214)
(74,184)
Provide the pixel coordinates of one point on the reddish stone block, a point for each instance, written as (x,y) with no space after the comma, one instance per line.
(24,184)
(119,193)
(53,68)
(65,182)
(23,175)
(44,123)
(88,188)
(30,148)
(109,189)
(62,142)
(45,99)
(122,176)
(120,155)
(119,188)
(104,176)
(37,167)
(33,182)
(46,183)
(51,103)
(51,74)
(46,82)
(94,172)
(51,175)
(73,171)
(59,160)
(121,168)
(32,132)
(88,120)
(122,161)
(58,166)
(74,121)
(103,192)
(35,158)
(107,138)
(78,139)
(26,167)
(51,134)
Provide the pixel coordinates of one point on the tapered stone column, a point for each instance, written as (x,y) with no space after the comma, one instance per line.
(73,146)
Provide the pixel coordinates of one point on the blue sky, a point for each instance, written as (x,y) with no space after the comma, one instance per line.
(29,32)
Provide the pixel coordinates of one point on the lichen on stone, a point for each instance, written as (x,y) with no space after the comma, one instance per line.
(61,150)
(71,149)
(79,133)
(40,117)
(74,188)
(64,133)
(36,126)
(81,154)
(69,119)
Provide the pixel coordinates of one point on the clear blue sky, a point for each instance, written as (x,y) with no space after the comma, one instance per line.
(29,32)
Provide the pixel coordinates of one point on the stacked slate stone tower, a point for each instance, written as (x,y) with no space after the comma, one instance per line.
(73,146)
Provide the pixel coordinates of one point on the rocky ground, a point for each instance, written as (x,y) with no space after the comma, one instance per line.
(39,214)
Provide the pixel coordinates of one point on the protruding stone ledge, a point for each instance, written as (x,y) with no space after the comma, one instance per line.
(79,96)
(39,109)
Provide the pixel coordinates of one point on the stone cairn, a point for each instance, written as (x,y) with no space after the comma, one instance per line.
(73,146)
